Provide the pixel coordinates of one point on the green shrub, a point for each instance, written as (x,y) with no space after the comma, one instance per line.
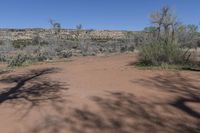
(157,53)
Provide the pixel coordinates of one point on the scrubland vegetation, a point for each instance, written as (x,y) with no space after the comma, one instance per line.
(55,47)
(166,43)
(169,42)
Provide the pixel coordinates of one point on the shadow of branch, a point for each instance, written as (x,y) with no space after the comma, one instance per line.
(118,112)
(187,92)
(32,88)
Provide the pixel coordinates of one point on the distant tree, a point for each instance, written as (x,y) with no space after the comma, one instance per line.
(165,23)
(55,38)
(79,27)
(55,25)
(78,31)
(166,27)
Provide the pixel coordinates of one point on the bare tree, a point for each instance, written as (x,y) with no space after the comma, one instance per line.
(165,22)
(78,31)
(55,25)
(79,27)
(55,37)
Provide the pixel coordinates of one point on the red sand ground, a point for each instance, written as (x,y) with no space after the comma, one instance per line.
(99,95)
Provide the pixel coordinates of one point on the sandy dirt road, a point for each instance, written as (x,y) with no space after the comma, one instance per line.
(99,95)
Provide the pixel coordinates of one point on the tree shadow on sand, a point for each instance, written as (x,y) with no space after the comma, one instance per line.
(186,91)
(118,112)
(32,88)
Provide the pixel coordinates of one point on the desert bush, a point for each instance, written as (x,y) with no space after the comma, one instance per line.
(187,35)
(6,46)
(42,56)
(19,59)
(131,48)
(123,49)
(21,43)
(6,49)
(162,45)
(3,58)
(65,53)
(45,53)
(159,52)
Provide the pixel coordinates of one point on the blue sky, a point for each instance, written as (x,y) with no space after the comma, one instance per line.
(92,14)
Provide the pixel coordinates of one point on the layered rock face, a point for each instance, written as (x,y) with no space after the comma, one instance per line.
(46,44)
(63,42)
(16,34)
